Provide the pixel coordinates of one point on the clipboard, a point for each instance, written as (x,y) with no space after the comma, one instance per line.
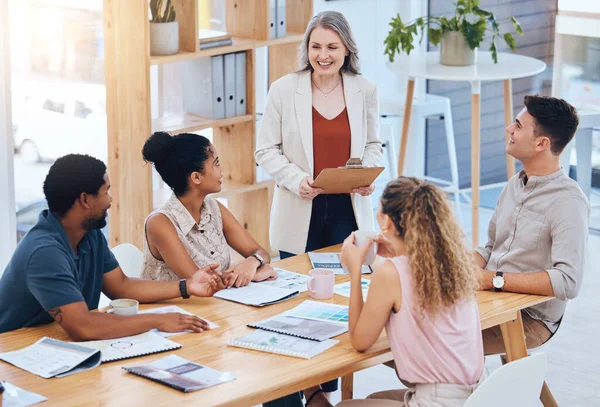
(343,180)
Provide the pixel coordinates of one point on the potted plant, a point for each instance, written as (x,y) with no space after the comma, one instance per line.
(164,30)
(459,36)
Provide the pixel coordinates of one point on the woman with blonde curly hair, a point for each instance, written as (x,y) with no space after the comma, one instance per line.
(424,295)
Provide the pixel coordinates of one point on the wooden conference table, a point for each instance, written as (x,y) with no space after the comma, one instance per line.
(260,376)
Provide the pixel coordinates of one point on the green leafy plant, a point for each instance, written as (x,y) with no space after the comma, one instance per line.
(162,11)
(471,21)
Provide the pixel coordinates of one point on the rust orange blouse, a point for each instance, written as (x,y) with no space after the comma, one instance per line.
(331,140)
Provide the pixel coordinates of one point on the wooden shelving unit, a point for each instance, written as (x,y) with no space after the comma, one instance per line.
(128,62)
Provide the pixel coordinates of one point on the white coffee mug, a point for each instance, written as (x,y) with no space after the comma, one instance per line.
(361,238)
(124,306)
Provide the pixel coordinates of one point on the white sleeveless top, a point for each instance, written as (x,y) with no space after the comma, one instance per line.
(203,241)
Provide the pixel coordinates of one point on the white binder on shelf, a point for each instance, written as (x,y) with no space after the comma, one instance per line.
(273,22)
(240,84)
(230,82)
(203,87)
(281,19)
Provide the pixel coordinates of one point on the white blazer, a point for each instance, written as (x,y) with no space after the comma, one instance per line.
(285,150)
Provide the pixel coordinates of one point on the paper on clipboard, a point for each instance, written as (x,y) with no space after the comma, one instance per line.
(343,180)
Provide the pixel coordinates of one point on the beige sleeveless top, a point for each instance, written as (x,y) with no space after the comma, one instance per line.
(203,241)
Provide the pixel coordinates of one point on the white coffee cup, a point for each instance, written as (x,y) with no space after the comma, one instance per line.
(361,238)
(124,306)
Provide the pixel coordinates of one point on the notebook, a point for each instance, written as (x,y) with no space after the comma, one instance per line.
(332,261)
(53,358)
(301,328)
(131,346)
(257,294)
(281,344)
(181,374)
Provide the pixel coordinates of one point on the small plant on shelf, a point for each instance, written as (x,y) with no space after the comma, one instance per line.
(162,11)
(164,29)
(469,20)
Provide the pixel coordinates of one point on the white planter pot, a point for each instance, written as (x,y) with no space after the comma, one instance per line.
(455,51)
(164,38)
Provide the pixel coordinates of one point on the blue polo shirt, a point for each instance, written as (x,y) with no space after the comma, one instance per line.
(45,273)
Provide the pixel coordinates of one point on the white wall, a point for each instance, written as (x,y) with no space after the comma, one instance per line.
(369,21)
(370,24)
(8,239)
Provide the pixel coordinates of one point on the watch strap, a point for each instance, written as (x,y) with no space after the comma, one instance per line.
(257,257)
(183,288)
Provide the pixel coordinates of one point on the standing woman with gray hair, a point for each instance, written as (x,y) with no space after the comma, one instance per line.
(318,118)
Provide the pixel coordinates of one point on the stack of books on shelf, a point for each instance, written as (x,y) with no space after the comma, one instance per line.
(213,38)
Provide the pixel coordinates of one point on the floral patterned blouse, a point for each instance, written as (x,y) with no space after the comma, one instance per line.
(204,241)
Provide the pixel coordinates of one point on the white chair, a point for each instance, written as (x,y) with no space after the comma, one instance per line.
(517,383)
(130,259)
(429,106)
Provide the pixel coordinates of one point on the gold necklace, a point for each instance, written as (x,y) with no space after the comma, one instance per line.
(325,94)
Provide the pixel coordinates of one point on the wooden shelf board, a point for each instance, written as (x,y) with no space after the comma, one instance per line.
(239,44)
(187,122)
(161,195)
(289,38)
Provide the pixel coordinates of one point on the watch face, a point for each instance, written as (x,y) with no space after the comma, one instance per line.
(498,282)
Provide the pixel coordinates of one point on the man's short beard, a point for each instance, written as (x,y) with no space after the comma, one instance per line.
(94,223)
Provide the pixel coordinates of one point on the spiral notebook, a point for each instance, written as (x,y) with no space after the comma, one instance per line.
(181,374)
(301,328)
(272,342)
(131,346)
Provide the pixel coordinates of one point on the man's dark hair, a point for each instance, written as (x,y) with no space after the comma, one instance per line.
(69,177)
(554,118)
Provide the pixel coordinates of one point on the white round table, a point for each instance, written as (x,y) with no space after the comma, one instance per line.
(427,65)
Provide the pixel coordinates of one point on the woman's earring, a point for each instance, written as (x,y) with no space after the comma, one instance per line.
(384,230)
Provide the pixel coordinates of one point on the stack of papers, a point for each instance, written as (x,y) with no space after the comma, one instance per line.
(50,357)
(257,294)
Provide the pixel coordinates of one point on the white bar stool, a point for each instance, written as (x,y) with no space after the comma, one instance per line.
(429,106)
(589,119)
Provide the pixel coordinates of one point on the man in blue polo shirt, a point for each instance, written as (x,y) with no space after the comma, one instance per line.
(63,264)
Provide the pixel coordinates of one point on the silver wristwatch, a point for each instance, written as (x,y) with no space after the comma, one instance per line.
(259,258)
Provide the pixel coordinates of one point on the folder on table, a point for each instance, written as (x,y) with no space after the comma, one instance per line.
(343,180)
(281,19)
(203,93)
(273,19)
(240,84)
(230,79)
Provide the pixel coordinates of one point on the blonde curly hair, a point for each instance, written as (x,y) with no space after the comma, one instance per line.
(440,263)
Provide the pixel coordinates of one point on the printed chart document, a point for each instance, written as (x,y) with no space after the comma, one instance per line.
(14,396)
(320,311)
(257,294)
(131,346)
(301,328)
(289,280)
(332,261)
(343,289)
(50,357)
(282,344)
(180,374)
(173,308)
